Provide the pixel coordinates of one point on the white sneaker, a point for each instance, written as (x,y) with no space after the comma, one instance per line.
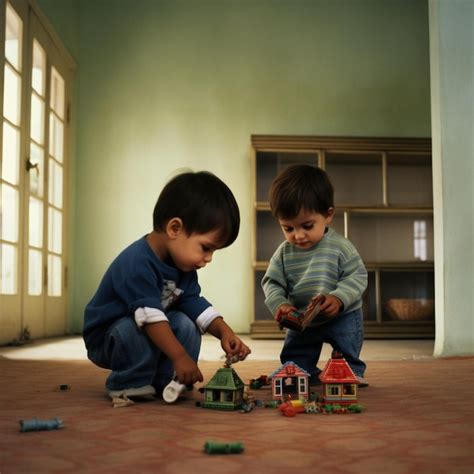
(362,382)
(147,392)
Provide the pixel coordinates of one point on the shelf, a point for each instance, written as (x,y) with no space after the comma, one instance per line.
(384,205)
(357,178)
(293,143)
(270,330)
(264,206)
(270,164)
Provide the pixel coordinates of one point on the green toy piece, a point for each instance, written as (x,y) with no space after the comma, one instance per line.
(211,447)
(224,391)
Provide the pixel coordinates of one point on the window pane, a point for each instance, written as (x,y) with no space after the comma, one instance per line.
(36,222)
(37,173)
(37,119)
(55,219)
(8,270)
(55,194)
(13,38)
(9,213)
(54,275)
(35,272)
(39,68)
(11,154)
(56,133)
(11,96)
(57,92)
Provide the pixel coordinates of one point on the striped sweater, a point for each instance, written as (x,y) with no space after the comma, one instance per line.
(332,266)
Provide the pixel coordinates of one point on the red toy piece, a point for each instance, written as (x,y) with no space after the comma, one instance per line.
(290,380)
(300,321)
(339,382)
(292,407)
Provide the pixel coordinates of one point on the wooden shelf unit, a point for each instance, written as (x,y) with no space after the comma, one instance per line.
(384,205)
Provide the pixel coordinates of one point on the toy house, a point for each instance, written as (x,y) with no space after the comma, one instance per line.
(339,382)
(224,391)
(291,381)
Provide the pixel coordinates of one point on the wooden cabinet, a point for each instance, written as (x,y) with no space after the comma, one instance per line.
(384,205)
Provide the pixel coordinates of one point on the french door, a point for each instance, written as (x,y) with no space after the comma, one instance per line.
(33,252)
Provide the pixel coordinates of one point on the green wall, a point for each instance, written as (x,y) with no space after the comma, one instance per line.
(173,84)
(452,96)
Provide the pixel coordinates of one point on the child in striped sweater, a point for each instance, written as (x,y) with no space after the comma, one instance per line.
(314,259)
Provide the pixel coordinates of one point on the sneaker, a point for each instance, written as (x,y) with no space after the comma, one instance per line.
(147,392)
(362,382)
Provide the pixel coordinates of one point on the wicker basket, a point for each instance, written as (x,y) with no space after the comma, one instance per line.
(406,309)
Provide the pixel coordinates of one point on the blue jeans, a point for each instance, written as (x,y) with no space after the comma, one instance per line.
(345,334)
(134,360)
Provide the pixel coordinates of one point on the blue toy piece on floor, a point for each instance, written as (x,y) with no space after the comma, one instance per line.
(40,425)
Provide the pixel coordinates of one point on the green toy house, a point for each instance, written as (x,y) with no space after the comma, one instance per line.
(224,391)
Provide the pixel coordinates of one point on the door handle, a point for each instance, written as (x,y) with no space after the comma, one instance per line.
(30,165)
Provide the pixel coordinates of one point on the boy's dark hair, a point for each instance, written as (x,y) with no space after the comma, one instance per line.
(203,202)
(301,187)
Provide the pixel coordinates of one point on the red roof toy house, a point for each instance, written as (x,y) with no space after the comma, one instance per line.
(339,382)
(290,381)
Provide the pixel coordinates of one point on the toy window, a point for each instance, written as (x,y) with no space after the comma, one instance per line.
(212,395)
(278,387)
(227,396)
(348,389)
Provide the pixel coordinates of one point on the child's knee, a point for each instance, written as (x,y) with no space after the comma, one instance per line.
(182,326)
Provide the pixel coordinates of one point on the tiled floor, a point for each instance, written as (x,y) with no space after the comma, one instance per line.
(72,348)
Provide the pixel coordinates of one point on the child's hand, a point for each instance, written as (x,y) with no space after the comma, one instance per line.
(330,305)
(187,371)
(233,346)
(282,310)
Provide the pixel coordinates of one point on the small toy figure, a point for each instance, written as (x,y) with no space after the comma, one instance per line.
(40,425)
(231,360)
(290,380)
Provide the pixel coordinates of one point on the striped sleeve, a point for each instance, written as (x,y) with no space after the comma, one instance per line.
(352,277)
(274,283)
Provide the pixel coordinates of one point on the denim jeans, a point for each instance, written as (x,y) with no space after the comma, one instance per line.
(134,360)
(345,334)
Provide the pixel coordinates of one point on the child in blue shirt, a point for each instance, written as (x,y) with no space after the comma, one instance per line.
(145,321)
(314,260)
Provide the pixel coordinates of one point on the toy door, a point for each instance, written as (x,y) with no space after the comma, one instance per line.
(290,386)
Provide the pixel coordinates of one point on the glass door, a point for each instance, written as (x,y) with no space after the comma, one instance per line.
(33,254)
(45,251)
(10,173)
